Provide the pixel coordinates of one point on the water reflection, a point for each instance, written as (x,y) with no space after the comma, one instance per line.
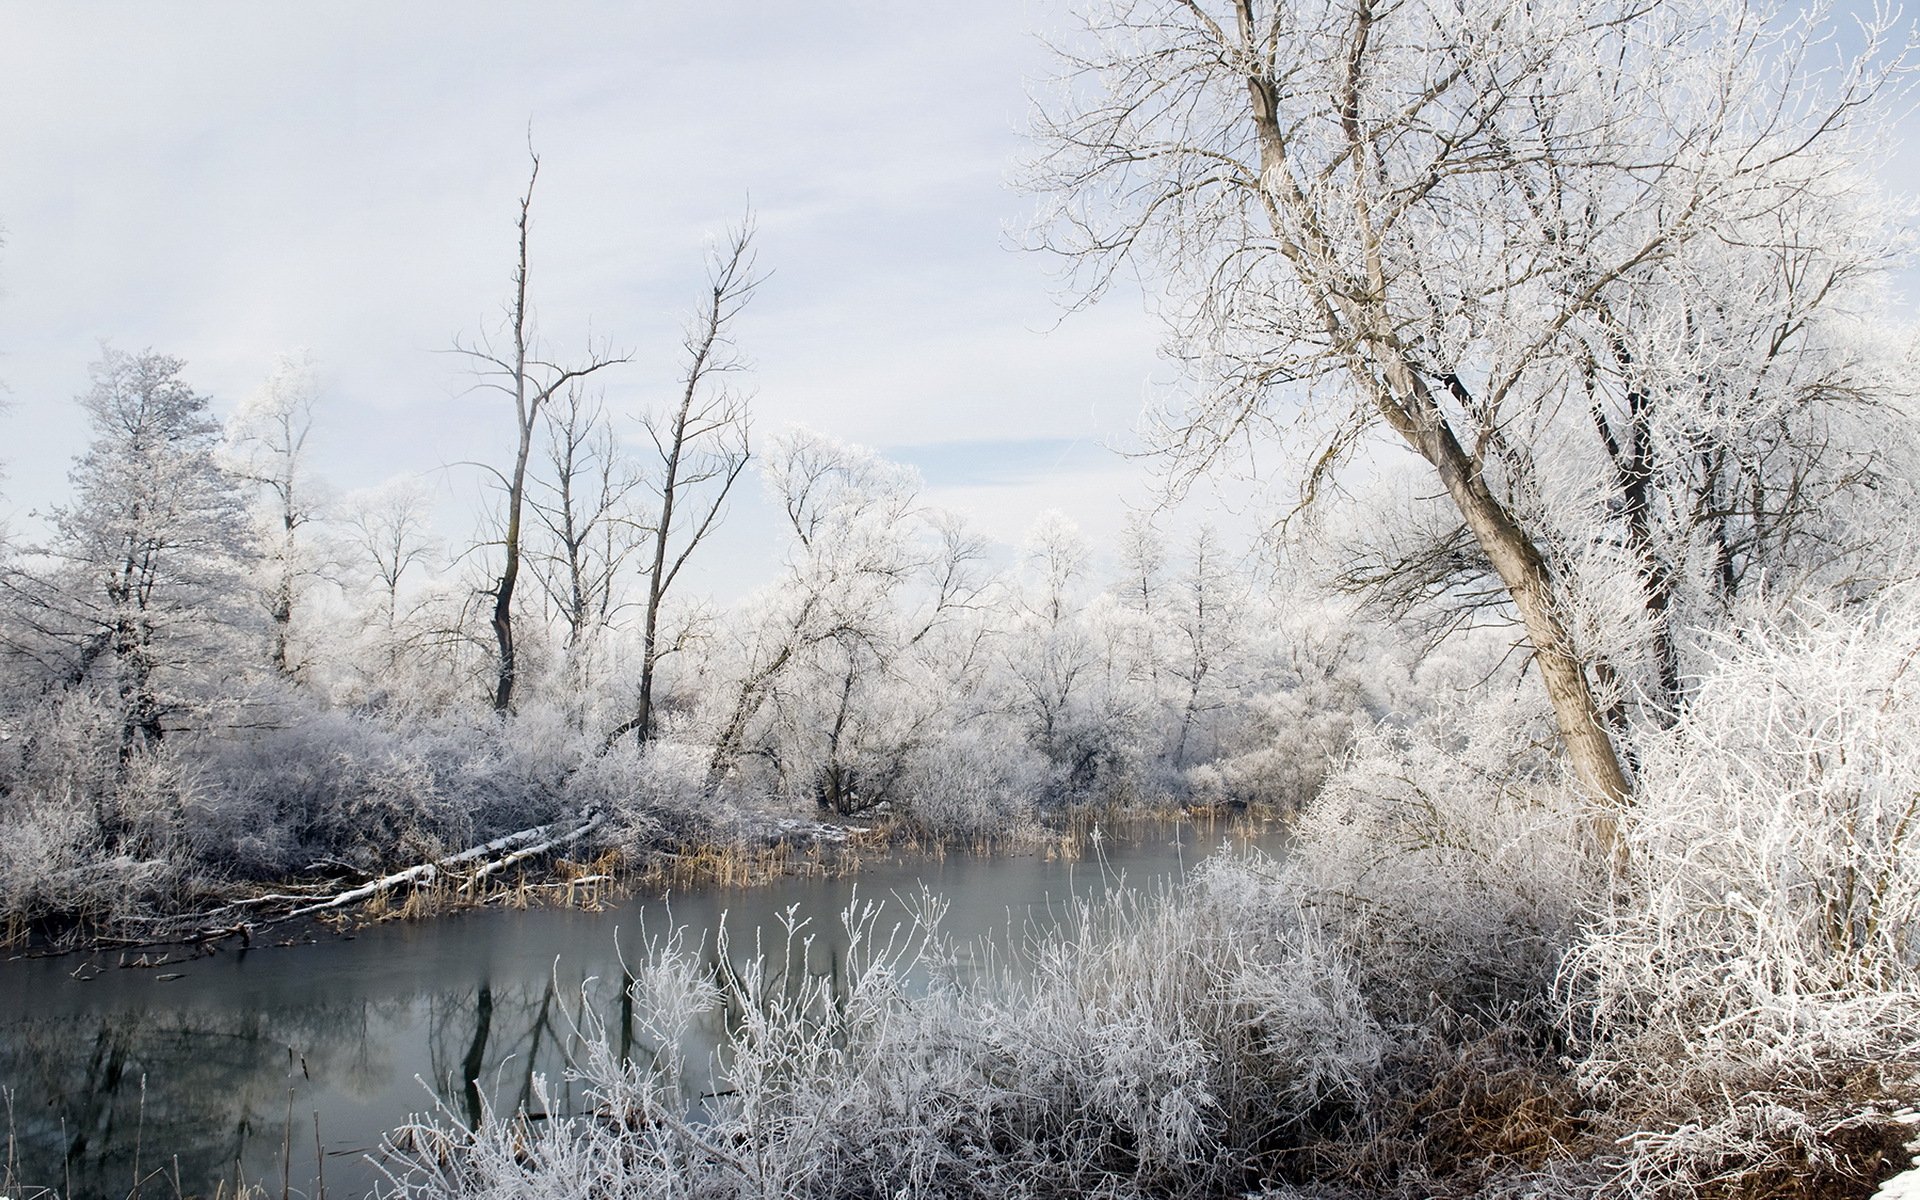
(291,1063)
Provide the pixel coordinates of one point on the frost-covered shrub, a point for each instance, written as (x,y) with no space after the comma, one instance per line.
(89,835)
(335,785)
(1172,1049)
(1752,994)
(1184,1040)
(1450,859)
(351,787)
(652,796)
(1287,744)
(973,785)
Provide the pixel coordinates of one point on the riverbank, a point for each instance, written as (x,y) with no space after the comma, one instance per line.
(1447,988)
(373,1027)
(558,864)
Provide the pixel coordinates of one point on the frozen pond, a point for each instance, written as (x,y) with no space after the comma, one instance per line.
(225,1072)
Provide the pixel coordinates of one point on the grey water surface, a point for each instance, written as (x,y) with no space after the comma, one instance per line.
(122,1081)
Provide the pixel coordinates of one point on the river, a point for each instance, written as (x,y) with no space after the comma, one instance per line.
(287,1064)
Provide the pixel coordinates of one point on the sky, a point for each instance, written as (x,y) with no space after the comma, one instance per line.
(229,182)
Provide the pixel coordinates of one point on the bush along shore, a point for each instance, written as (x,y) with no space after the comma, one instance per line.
(614,823)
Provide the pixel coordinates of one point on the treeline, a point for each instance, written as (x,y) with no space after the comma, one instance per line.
(215,671)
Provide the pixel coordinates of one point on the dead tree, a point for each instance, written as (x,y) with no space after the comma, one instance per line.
(703,444)
(519,370)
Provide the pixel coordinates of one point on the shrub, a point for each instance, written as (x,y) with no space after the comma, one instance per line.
(1449,859)
(90,837)
(1751,995)
(973,786)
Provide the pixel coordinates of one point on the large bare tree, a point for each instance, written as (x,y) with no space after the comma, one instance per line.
(1431,219)
(514,364)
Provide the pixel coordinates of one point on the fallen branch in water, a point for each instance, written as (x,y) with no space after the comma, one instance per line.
(426,872)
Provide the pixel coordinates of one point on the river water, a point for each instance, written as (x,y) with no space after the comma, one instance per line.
(285,1065)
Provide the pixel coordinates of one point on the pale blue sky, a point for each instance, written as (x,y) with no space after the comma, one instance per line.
(227,181)
(224,182)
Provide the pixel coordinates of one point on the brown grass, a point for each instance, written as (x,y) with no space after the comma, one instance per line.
(1452,1117)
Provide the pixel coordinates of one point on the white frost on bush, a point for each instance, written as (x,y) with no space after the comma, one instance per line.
(1133,1054)
(1756,979)
(1450,859)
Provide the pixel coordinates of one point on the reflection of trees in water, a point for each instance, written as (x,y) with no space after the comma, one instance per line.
(347,1045)
(486,1048)
(189,1093)
(209,1088)
(153,1089)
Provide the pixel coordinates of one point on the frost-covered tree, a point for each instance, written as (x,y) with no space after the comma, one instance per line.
(267,437)
(1049,655)
(1068,660)
(1140,589)
(389,531)
(1209,613)
(867,648)
(1434,220)
(582,502)
(586,533)
(386,548)
(139,595)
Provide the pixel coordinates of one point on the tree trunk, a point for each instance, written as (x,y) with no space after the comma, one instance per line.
(1356,313)
(516,484)
(1529,581)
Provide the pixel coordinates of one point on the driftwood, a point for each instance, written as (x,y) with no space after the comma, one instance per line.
(493,857)
(521,855)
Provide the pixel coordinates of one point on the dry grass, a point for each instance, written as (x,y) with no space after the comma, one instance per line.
(1451,1116)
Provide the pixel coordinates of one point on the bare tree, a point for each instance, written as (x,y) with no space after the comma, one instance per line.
(390,527)
(1365,215)
(584,506)
(520,370)
(703,445)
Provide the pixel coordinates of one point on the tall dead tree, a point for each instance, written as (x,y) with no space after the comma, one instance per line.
(703,444)
(519,370)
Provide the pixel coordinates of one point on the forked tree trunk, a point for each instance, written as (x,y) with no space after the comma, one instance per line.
(1357,313)
(531,380)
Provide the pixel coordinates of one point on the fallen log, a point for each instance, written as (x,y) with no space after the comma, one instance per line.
(500,864)
(426,872)
(228,920)
(420,873)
